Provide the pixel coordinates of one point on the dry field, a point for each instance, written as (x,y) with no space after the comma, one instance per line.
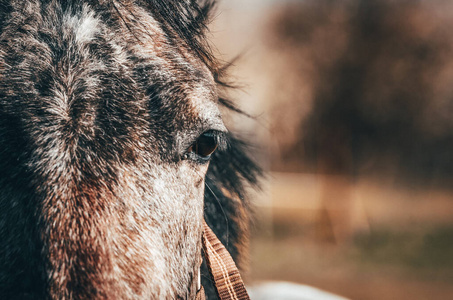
(365,240)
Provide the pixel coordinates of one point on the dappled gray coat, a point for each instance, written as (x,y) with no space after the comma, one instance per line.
(108,117)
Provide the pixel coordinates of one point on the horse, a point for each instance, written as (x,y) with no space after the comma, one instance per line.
(113,150)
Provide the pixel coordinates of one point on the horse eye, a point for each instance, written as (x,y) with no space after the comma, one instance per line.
(204,146)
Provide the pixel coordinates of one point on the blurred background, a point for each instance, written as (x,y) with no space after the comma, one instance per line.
(353,123)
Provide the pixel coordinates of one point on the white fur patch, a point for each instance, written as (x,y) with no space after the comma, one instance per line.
(84,26)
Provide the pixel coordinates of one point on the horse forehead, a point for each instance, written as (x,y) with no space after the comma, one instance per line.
(82,50)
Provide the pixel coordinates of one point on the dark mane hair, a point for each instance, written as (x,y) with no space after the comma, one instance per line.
(188,21)
(182,21)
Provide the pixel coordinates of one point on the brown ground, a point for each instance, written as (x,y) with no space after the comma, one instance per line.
(385,242)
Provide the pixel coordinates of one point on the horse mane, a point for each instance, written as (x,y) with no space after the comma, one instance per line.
(186,20)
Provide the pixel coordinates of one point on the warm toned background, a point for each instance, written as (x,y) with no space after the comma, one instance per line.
(354,124)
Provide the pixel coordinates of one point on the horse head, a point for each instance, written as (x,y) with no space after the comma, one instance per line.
(109,120)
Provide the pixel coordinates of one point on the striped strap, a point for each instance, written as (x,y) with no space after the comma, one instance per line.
(226,275)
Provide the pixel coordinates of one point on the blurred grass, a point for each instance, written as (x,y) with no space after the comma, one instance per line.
(382,264)
(419,251)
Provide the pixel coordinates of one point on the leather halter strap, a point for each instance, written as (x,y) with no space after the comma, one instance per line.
(227,280)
